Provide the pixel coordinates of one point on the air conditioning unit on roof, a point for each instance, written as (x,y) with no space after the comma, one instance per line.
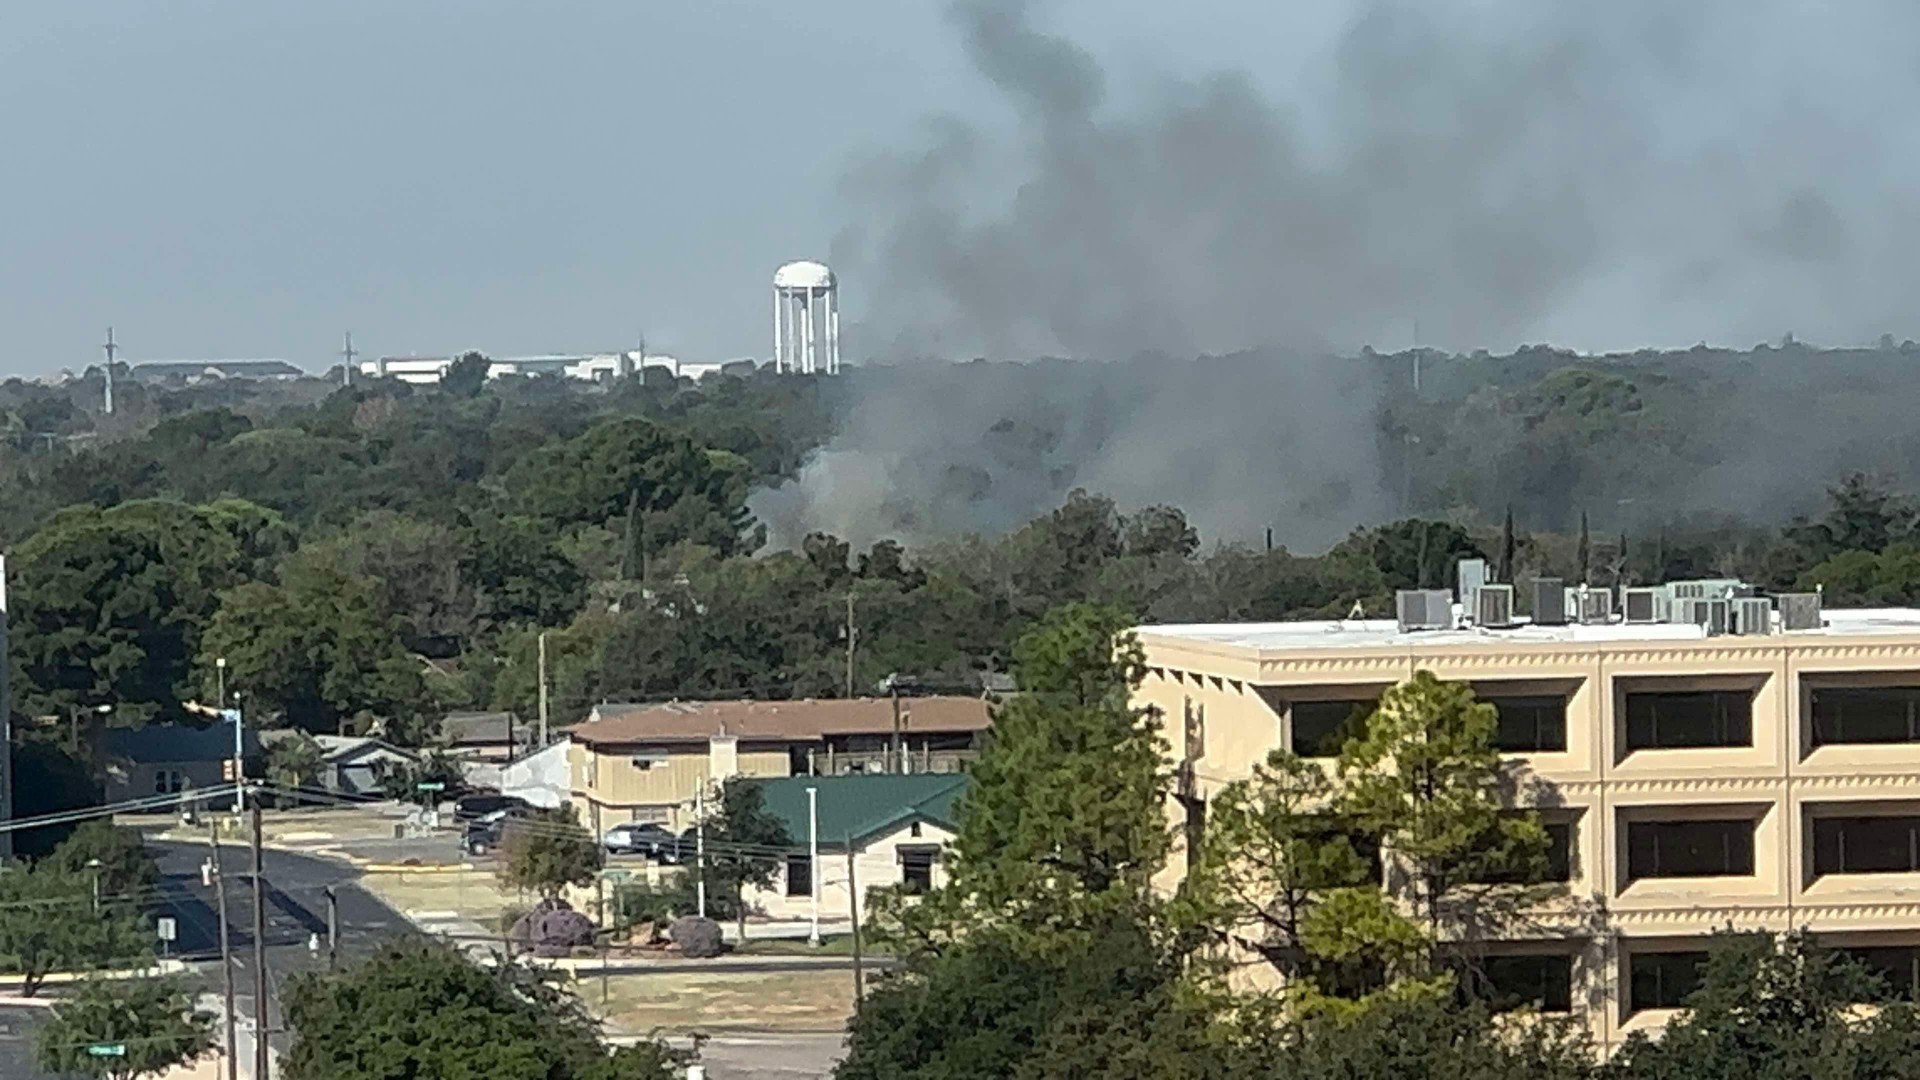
(1752,616)
(1493,605)
(1644,605)
(1424,609)
(1596,606)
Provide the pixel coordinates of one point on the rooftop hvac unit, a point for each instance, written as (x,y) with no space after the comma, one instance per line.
(1470,574)
(1493,605)
(1752,616)
(1549,602)
(1711,615)
(1709,589)
(1596,606)
(1644,605)
(1799,611)
(1424,609)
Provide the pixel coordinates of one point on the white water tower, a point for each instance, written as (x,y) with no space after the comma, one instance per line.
(806,319)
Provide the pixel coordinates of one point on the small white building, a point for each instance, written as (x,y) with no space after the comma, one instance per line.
(898,827)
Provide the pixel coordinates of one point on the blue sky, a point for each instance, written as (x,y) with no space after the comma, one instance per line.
(253,177)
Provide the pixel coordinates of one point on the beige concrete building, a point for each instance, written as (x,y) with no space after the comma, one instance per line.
(651,762)
(1691,781)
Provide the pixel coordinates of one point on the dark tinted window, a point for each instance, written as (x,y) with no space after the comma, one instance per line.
(1660,849)
(916,871)
(799,875)
(1530,725)
(1865,715)
(1866,845)
(1516,982)
(1665,721)
(1663,980)
(1320,727)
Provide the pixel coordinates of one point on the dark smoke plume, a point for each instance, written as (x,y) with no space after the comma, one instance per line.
(1598,175)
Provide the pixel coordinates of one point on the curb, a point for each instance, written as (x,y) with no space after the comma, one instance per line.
(413,868)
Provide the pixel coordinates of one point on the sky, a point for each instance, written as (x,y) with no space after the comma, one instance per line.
(253,178)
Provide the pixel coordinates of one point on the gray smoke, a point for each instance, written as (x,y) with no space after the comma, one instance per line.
(1598,175)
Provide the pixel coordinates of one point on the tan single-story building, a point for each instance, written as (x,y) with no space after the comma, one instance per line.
(657,762)
(896,826)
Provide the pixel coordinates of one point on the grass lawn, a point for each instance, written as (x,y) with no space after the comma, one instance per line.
(473,894)
(676,1002)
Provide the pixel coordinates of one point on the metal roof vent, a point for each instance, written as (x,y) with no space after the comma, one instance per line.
(1752,616)
(1644,605)
(1470,574)
(1715,615)
(1493,605)
(1549,602)
(1799,611)
(1596,605)
(1424,609)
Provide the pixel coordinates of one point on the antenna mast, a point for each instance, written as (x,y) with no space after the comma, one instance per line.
(111,349)
(346,369)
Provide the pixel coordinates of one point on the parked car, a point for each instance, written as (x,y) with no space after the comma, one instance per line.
(486,804)
(640,838)
(483,833)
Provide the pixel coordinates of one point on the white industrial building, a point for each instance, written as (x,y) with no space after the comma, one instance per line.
(586,367)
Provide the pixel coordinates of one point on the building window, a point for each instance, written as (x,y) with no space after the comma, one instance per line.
(1866,845)
(1530,725)
(1690,718)
(1897,965)
(1507,983)
(916,870)
(1559,866)
(1865,714)
(1663,980)
(1667,849)
(1320,728)
(799,875)
(168,781)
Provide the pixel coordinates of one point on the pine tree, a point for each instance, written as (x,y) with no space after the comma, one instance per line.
(1504,571)
(1584,555)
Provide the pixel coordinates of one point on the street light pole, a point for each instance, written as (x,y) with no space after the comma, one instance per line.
(813,862)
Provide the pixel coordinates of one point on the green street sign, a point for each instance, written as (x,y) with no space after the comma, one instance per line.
(431,785)
(107,1050)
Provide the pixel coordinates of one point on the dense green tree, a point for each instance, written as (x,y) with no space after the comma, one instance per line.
(1066,802)
(116,856)
(1423,780)
(1780,1009)
(466,376)
(295,761)
(151,1021)
(1414,554)
(746,845)
(48,924)
(421,1010)
(547,852)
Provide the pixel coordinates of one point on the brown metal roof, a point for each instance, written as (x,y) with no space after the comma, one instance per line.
(811,718)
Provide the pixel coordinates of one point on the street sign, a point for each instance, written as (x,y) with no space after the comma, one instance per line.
(107,1050)
(430,785)
(166,929)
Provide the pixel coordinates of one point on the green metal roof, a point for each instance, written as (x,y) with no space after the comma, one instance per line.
(860,806)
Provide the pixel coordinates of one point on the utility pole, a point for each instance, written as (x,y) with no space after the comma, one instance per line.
(259,957)
(333,929)
(226,943)
(111,349)
(851,634)
(853,907)
(700,845)
(543,689)
(893,688)
(346,369)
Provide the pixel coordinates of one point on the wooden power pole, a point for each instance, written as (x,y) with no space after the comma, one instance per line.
(226,945)
(259,955)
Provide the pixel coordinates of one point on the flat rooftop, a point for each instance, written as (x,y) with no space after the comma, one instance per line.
(1386,633)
